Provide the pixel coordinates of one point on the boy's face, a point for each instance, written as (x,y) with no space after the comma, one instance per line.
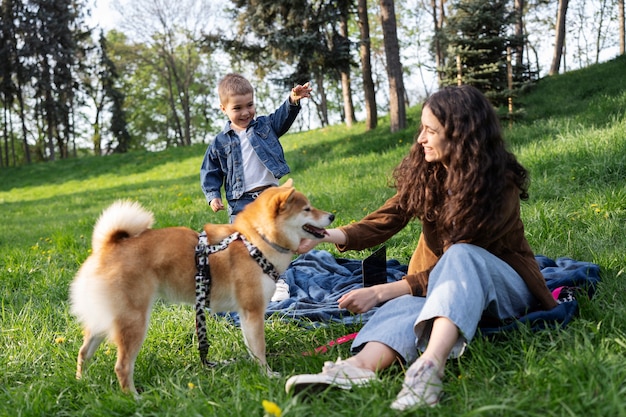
(240,110)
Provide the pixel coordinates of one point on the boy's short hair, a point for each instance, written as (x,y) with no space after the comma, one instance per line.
(233,85)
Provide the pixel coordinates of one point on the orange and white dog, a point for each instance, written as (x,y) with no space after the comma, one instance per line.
(132,264)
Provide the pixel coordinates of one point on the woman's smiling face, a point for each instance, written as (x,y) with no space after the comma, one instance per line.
(432,138)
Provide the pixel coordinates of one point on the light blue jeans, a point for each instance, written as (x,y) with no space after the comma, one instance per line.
(467,283)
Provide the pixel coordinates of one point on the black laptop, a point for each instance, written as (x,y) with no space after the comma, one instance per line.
(375,268)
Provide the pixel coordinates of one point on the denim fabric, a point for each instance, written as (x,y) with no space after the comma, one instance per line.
(235,207)
(467,283)
(222,163)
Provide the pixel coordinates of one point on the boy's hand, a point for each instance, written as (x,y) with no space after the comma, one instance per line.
(217,205)
(300,91)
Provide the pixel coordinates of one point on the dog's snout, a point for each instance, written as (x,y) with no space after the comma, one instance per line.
(331,216)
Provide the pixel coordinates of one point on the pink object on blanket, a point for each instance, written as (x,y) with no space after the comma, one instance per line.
(556,292)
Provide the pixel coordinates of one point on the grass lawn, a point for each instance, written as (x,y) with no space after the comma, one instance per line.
(573,141)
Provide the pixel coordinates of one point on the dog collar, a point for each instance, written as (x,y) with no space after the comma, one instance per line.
(276,246)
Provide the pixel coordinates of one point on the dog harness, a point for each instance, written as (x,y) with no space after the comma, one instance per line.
(203,281)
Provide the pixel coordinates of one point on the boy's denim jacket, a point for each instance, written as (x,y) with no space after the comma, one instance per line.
(222,161)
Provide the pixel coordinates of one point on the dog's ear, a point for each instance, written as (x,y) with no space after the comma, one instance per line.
(284,198)
(288,183)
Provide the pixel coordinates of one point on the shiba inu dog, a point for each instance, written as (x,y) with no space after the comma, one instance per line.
(131,265)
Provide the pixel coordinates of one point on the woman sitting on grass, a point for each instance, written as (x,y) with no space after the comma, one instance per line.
(472,259)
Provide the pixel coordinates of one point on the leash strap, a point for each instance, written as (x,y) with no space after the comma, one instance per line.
(257,255)
(203,282)
(203,293)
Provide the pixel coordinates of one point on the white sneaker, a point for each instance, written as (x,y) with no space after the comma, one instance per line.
(282,291)
(337,374)
(422,387)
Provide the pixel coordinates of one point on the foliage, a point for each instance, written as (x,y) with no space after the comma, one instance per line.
(293,42)
(167,76)
(478,34)
(53,67)
(44,42)
(110,77)
(576,157)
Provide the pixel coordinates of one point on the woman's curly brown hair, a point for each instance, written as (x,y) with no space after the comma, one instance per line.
(464,196)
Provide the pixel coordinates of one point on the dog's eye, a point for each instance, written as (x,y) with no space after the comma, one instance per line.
(307,209)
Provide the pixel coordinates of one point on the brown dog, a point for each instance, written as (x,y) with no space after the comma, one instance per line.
(132,264)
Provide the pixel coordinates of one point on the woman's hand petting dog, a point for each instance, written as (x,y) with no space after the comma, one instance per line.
(306,245)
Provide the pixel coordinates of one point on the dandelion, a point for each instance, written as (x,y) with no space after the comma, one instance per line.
(59,340)
(272,408)
(191,385)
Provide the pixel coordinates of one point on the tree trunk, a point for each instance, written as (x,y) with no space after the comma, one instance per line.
(20,99)
(5,136)
(519,32)
(397,110)
(322,107)
(603,6)
(560,37)
(622,37)
(371,118)
(438,18)
(348,105)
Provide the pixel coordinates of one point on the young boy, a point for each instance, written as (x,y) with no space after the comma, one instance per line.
(246,156)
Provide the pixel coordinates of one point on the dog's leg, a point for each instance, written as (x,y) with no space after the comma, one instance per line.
(128,335)
(253,328)
(86,351)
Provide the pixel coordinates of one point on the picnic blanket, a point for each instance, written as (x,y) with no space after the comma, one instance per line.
(317,280)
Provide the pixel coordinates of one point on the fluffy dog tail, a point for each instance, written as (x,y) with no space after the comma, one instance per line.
(121,219)
(90,299)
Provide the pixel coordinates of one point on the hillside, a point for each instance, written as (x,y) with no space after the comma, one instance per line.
(572,140)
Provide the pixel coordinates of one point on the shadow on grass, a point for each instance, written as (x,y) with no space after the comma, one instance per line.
(61,171)
(76,212)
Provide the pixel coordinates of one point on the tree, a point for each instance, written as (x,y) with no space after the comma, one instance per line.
(439,17)
(518,6)
(371,117)
(477,37)
(296,41)
(110,77)
(14,73)
(8,55)
(559,42)
(397,110)
(344,43)
(622,30)
(53,38)
(168,50)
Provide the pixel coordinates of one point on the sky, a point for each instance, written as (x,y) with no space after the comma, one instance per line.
(103,14)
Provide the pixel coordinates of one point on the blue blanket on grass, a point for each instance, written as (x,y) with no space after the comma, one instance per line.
(317,280)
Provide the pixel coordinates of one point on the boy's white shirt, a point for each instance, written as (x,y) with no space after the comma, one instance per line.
(255,174)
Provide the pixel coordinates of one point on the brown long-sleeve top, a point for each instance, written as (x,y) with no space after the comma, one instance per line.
(505,239)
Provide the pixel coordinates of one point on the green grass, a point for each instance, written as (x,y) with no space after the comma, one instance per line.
(573,140)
